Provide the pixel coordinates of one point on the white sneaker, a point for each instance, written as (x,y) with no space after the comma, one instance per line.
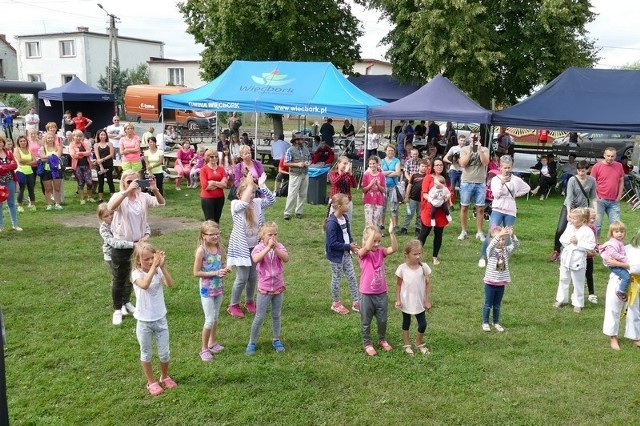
(482,263)
(449,218)
(130,307)
(593,299)
(486,327)
(480,236)
(462,236)
(20,209)
(498,327)
(124,311)
(117,317)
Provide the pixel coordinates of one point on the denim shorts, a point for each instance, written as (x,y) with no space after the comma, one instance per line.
(472,191)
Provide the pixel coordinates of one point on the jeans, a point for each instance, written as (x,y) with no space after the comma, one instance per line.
(261,311)
(373,305)
(492,299)
(390,196)
(611,208)
(496,219)
(472,191)
(413,207)
(211,309)
(564,179)
(624,276)
(246,276)
(146,331)
(11,203)
(455,177)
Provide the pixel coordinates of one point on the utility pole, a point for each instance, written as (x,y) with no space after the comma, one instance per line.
(113,44)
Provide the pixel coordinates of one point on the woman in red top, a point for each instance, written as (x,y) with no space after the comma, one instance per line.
(425,210)
(342,180)
(213,180)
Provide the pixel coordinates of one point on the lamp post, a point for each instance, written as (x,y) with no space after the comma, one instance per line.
(113,43)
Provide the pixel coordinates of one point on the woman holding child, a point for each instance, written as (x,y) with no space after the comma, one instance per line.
(425,210)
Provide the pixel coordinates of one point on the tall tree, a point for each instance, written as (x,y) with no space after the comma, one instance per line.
(139,74)
(492,49)
(272,30)
(121,79)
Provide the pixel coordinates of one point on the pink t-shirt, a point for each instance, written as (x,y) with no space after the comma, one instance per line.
(375,195)
(126,143)
(607,178)
(372,275)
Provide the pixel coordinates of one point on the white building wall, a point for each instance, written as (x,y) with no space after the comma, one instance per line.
(159,73)
(9,63)
(372,68)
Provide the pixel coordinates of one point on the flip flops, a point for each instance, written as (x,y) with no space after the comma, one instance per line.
(168,382)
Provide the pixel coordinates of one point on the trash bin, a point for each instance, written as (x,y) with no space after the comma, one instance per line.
(317,192)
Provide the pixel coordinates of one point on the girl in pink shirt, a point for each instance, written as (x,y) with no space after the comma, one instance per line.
(269,256)
(182,164)
(373,190)
(373,285)
(613,249)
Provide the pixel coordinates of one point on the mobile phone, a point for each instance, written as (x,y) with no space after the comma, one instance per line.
(509,174)
(143,183)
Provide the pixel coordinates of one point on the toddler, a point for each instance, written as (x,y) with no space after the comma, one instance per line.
(373,285)
(269,256)
(497,274)
(196,164)
(148,273)
(439,196)
(413,294)
(613,249)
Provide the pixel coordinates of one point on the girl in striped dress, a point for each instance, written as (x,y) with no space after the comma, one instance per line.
(247,214)
(497,274)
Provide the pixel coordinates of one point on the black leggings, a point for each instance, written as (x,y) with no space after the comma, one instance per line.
(212,208)
(421,318)
(159,182)
(437,237)
(562,226)
(109,175)
(121,285)
(30,186)
(589,275)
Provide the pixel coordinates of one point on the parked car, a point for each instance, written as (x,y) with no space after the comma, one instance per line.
(13,111)
(592,145)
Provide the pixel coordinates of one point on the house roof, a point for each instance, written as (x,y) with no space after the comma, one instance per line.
(91,33)
(155,60)
(3,39)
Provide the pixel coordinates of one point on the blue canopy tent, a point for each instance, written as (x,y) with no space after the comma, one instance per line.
(383,87)
(439,99)
(76,96)
(580,99)
(278,87)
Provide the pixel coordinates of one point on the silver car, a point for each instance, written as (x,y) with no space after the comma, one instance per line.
(590,146)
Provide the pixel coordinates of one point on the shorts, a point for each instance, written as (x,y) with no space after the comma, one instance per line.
(132,165)
(46,176)
(472,191)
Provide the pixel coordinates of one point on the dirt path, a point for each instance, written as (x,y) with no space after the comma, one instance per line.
(159,225)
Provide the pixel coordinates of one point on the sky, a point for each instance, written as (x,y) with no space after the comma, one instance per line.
(615,29)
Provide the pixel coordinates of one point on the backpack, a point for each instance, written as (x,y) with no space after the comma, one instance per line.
(284,190)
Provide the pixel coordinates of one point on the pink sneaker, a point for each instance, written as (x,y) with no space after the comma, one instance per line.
(250,306)
(339,308)
(235,311)
(385,345)
(355,306)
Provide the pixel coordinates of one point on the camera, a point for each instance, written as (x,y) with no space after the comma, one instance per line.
(509,174)
(455,157)
(143,183)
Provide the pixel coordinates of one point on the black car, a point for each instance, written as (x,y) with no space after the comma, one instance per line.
(590,146)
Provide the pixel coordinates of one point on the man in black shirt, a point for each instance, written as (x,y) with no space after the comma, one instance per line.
(348,129)
(327,131)
(433,132)
(421,129)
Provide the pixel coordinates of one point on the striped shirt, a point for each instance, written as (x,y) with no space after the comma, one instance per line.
(492,274)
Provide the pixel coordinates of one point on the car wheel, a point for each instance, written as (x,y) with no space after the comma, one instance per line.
(628,152)
(192,125)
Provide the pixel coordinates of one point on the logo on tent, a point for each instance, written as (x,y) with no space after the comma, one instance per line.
(273,78)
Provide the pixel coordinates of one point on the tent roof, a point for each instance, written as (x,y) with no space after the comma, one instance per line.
(383,87)
(76,90)
(278,87)
(439,99)
(580,99)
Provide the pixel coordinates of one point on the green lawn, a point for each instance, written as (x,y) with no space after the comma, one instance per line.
(66,364)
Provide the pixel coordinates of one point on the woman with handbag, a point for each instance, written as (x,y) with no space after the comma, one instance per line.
(581,191)
(8,167)
(26,176)
(52,171)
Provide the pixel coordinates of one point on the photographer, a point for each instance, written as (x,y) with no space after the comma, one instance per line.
(473,160)
(452,157)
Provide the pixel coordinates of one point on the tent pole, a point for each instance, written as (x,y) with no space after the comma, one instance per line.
(255,137)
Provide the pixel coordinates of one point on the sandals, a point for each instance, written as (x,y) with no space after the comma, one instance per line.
(423,349)
(408,350)
(155,388)
(168,382)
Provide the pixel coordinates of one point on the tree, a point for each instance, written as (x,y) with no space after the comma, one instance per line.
(492,49)
(139,74)
(272,30)
(121,79)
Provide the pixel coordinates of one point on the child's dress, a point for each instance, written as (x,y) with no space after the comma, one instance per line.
(374,198)
(573,264)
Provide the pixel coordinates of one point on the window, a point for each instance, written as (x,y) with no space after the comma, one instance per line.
(176,76)
(1,69)
(67,48)
(33,49)
(34,77)
(67,78)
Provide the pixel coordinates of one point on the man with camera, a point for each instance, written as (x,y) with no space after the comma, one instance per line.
(474,159)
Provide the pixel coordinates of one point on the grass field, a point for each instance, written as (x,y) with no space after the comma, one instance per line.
(67,365)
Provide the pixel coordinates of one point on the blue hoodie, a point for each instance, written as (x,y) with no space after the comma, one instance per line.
(335,245)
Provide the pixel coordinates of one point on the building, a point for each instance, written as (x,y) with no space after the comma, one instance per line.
(174,72)
(372,67)
(163,71)
(8,60)
(57,57)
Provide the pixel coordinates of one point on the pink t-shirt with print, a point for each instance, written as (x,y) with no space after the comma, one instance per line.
(372,275)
